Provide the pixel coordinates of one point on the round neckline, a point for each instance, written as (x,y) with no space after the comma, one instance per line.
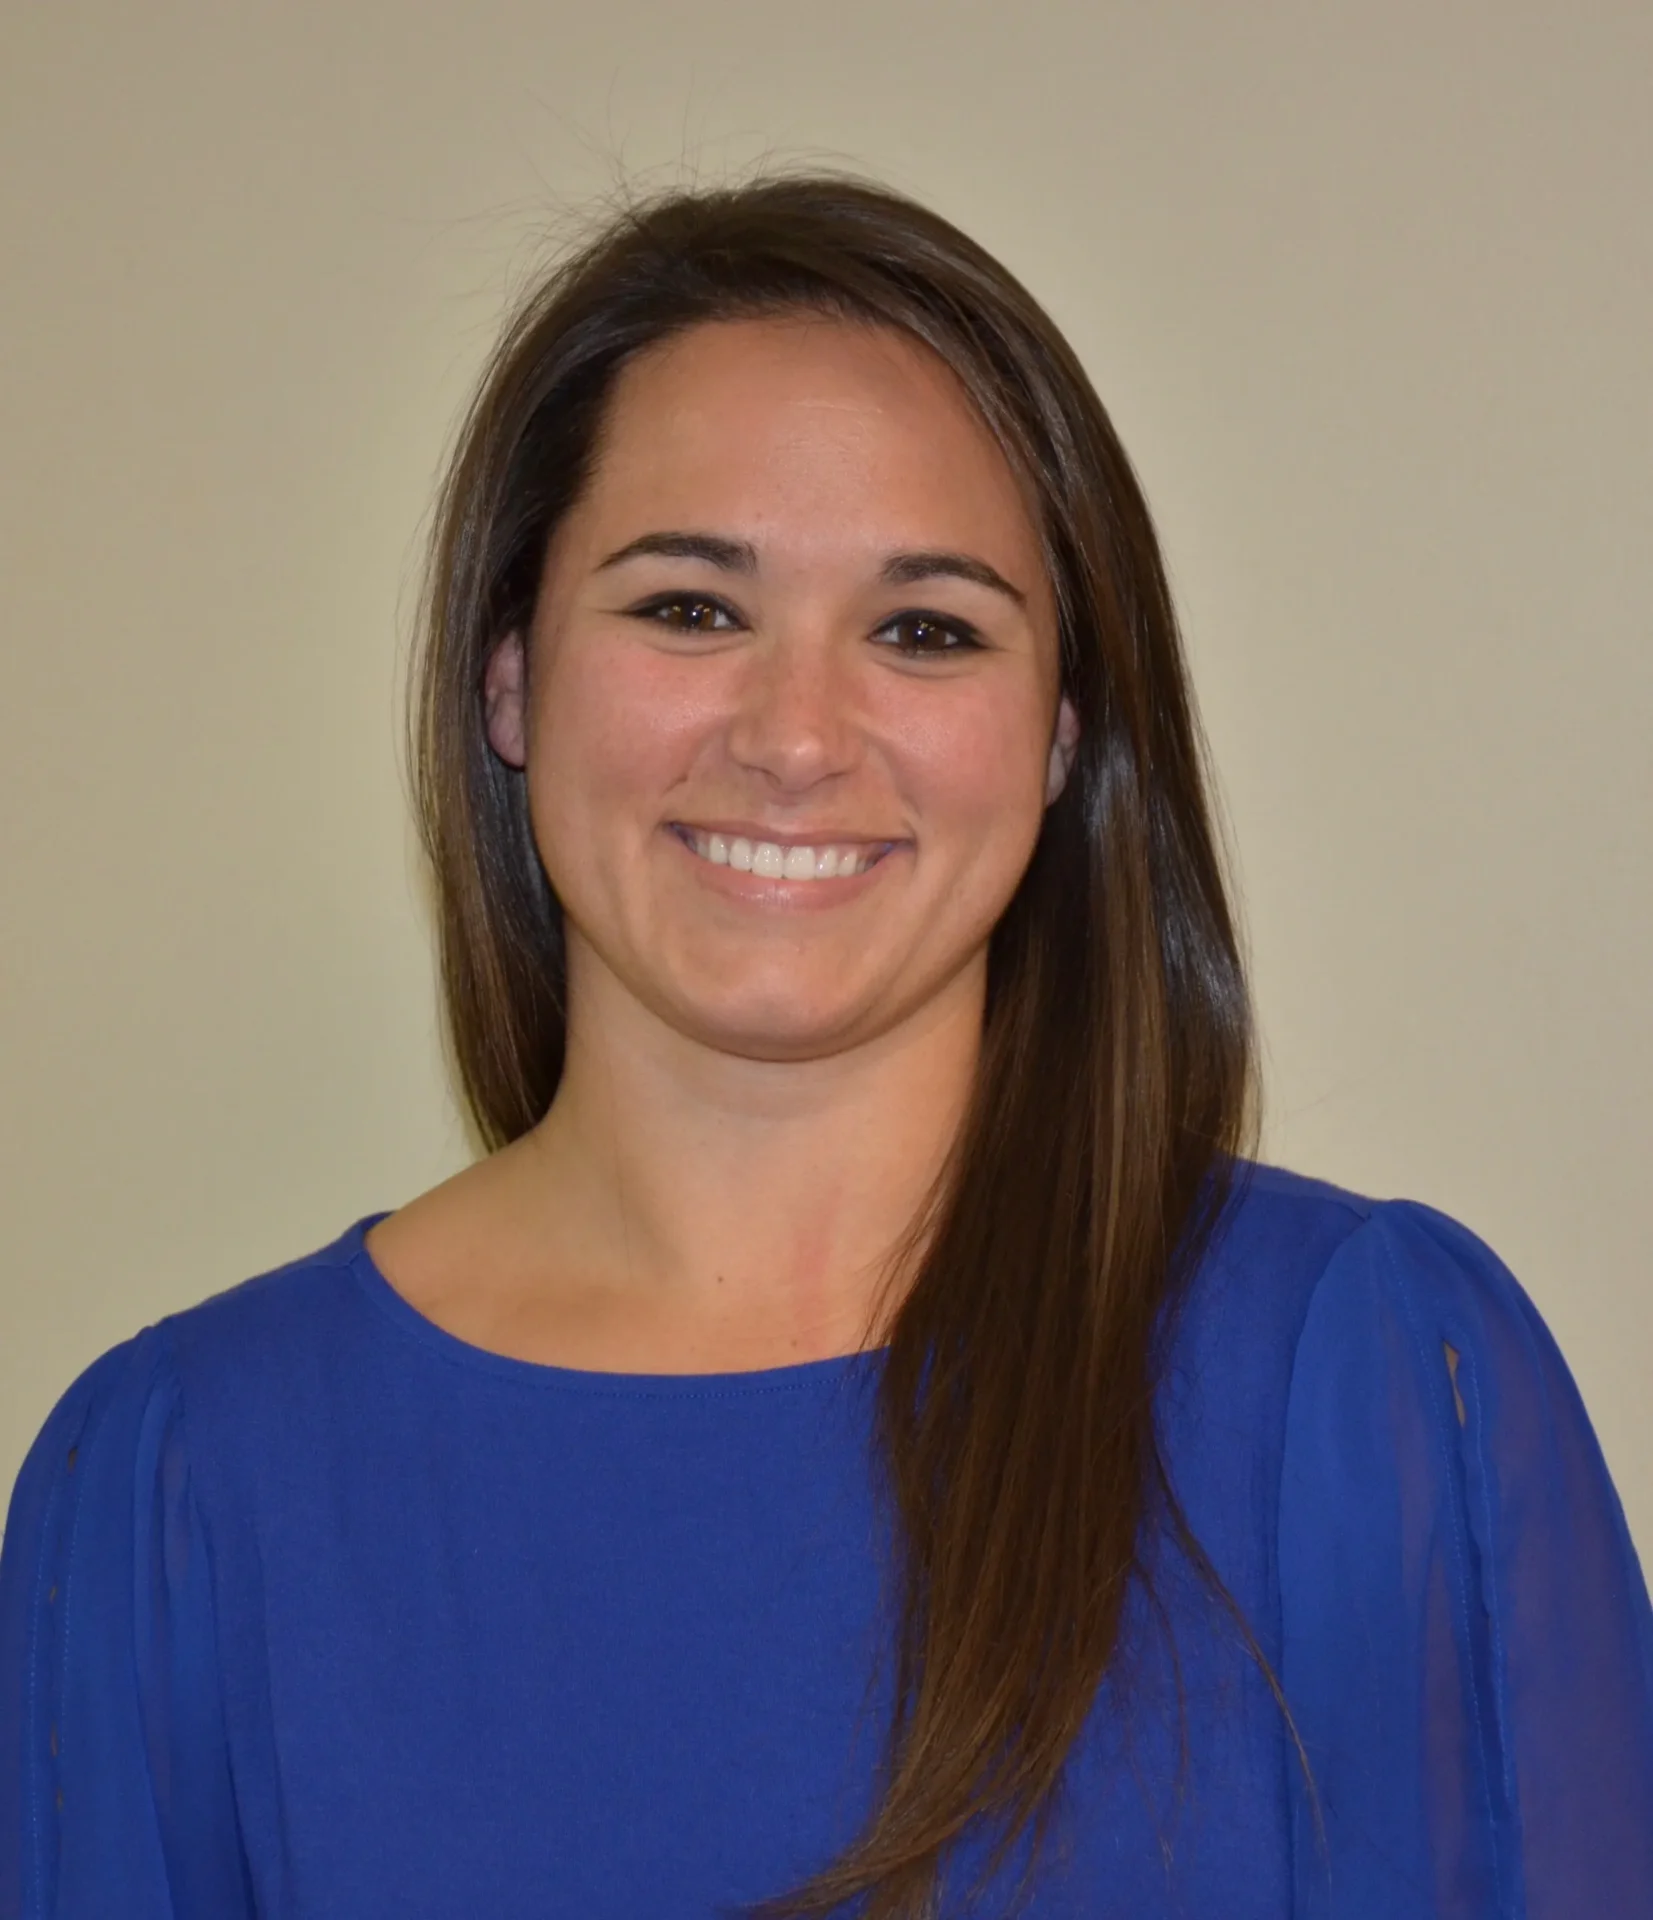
(756,1381)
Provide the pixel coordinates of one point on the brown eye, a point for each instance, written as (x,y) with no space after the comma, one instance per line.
(924,635)
(687,613)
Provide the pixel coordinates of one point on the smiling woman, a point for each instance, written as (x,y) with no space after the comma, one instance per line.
(864,1438)
(768,682)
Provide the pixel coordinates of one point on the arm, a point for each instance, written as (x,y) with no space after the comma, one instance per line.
(114,1783)
(1468,1647)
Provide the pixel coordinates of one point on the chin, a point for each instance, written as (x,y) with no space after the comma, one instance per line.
(777,1025)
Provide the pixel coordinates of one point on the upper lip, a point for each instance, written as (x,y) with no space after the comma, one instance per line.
(820,837)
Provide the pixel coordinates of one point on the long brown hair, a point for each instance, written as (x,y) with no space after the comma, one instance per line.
(1017,1399)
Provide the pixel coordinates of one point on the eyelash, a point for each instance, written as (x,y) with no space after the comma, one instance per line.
(963,637)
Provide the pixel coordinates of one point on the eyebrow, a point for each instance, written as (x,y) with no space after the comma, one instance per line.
(740,556)
(902,569)
(733,556)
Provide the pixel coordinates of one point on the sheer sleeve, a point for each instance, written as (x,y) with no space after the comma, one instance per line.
(115,1790)
(1467,1644)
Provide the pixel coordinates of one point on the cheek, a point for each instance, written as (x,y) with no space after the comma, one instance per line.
(975,764)
(613,728)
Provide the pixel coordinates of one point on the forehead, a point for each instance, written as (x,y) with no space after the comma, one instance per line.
(808,430)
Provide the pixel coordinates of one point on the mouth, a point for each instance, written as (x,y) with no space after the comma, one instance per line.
(779,860)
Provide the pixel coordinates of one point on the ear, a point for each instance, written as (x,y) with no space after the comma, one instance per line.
(505,699)
(1062,750)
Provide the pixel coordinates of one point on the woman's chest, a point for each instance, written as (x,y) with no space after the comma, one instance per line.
(654,1679)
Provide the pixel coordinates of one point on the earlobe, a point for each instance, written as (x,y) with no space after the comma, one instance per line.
(1062,749)
(504,695)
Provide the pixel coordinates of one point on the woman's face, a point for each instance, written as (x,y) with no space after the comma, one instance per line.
(789,702)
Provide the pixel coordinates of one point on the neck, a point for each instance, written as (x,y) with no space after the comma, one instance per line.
(755,1204)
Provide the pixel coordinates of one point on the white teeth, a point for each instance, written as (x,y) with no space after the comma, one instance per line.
(770,861)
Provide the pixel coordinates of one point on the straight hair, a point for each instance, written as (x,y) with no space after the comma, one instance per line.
(1016,1414)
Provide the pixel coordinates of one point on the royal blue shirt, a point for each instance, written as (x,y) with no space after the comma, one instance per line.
(311,1611)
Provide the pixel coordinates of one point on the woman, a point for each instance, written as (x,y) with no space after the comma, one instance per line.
(864,1439)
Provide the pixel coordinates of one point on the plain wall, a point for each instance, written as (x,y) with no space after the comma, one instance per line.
(1369,291)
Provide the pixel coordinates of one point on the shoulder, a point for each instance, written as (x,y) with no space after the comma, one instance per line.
(118,1384)
(1415,1302)
(1325,1328)
(1238,1324)
(1295,1259)
(80,1467)
(266,1326)
(232,1350)
(1425,1375)
(1434,1429)
(1279,1229)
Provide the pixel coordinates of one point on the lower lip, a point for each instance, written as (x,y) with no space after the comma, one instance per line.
(759,890)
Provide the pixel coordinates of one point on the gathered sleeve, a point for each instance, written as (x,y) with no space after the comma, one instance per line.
(1467,1647)
(115,1787)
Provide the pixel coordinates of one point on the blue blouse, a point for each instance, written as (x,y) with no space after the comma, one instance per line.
(312,1611)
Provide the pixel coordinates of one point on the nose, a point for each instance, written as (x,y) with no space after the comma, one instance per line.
(795,719)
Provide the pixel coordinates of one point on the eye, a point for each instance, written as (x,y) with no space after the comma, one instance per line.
(925,636)
(687,613)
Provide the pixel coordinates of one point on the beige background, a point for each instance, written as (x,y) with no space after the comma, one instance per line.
(1369,288)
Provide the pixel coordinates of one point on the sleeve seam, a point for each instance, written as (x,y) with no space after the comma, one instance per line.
(35,1786)
(58,1533)
(1452,1439)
